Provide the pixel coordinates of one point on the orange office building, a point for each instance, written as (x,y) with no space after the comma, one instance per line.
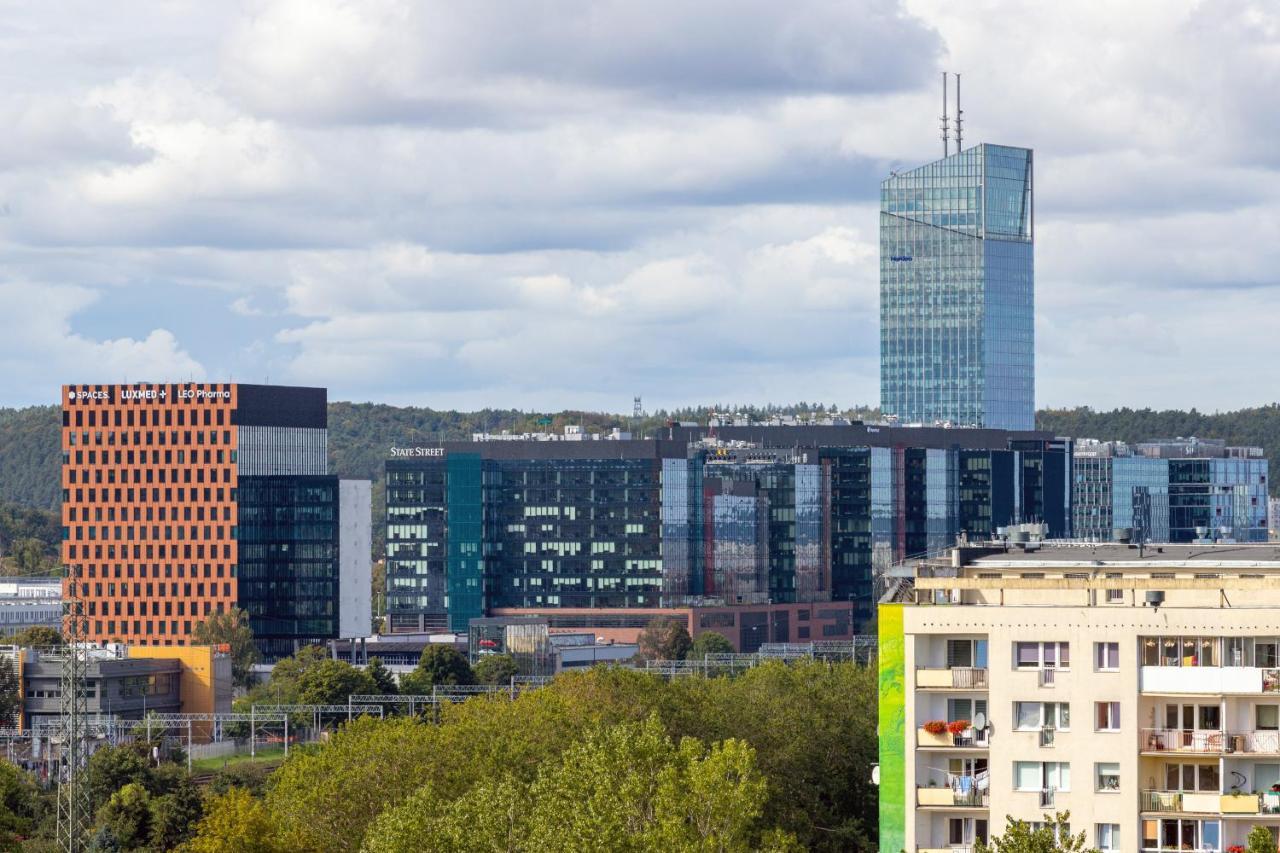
(183,500)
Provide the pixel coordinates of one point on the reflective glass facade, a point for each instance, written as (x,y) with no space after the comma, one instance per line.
(1171,499)
(1121,492)
(632,524)
(1228,497)
(957,337)
(288,571)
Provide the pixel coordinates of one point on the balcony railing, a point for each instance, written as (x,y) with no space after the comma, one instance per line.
(970,738)
(952,797)
(954,678)
(1047,677)
(1209,802)
(1200,741)
(1046,798)
(1257,742)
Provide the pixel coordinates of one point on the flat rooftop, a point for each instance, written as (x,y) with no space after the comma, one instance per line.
(1116,555)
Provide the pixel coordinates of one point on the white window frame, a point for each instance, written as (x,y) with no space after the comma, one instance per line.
(1046,720)
(1044,770)
(1058,648)
(1107,836)
(1101,652)
(1113,722)
(1098,776)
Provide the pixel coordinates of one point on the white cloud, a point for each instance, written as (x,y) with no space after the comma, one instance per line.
(565,203)
(37,320)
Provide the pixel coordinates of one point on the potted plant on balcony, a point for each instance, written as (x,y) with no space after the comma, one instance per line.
(934,733)
(958,727)
(1235,848)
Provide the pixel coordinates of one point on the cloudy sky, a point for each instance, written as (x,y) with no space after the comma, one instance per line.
(551,203)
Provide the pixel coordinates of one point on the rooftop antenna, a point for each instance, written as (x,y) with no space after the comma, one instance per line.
(946,144)
(959,117)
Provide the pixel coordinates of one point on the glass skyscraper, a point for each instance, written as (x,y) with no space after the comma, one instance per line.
(957,326)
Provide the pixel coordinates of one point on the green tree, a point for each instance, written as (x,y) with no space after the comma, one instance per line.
(1260,841)
(111,768)
(665,639)
(496,669)
(1053,836)
(330,682)
(382,677)
(439,664)
(235,822)
(19,806)
(127,814)
(175,815)
(623,788)
(232,629)
(38,636)
(709,643)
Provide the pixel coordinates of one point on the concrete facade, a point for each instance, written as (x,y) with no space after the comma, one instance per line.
(1140,689)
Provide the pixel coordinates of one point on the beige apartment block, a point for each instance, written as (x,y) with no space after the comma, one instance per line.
(1136,688)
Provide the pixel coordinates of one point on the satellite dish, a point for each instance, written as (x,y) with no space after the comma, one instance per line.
(979,720)
(875,775)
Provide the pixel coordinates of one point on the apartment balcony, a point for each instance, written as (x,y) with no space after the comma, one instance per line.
(953,678)
(1210,803)
(1253,743)
(1209,680)
(950,798)
(969,738)
(1183,741)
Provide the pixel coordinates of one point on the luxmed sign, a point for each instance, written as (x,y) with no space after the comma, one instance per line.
(402,452)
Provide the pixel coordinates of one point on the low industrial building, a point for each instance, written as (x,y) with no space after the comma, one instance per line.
(29,603)
(126,682)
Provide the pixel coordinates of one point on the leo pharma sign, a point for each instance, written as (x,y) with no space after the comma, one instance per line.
(150,394)
(403,452)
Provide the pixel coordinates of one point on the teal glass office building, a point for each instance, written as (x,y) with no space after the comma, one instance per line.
(957,320)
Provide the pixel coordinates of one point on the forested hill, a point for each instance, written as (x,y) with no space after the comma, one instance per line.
(30,456)
(1259,426)
(361,434)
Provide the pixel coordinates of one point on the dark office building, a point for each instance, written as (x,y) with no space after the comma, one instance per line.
(734,516)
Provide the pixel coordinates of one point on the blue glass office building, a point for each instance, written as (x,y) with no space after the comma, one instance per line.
(957,326)
(699,517)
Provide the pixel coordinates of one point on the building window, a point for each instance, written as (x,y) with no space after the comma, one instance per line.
(966,653)
(1030,716)
(1107,836)
(1181,651)
(1106,656)
(1115,596)
(1199,777)
(1041,776)
(1267,717)
(1107,776)
(1107,716)
(1042,655)
(965,709)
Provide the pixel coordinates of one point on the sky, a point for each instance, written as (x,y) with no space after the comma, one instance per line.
(553,204)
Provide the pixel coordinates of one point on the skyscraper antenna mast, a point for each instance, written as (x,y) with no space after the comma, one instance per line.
(959,117)
(946,149)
